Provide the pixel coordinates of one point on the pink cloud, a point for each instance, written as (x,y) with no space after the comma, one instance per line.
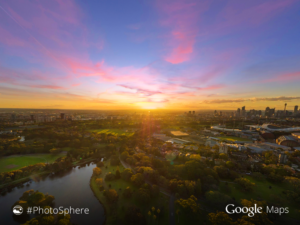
(181,17)
(212,87)
(287,77)
(76,85)
(141,92)
(55,87)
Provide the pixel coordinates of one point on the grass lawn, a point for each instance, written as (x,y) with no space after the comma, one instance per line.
(15,162)
(115,132)
(232,138)
(99,145)
(66,149)
(119,185)
(263,192)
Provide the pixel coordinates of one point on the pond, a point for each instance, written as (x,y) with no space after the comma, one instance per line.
(70,188)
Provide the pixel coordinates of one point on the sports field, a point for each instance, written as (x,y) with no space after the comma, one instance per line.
(233,138)
(15,162)
(179,133)
(115,132)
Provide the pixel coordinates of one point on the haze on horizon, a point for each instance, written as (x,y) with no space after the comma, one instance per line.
(195,55)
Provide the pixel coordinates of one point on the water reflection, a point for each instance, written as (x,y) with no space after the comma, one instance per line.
(70,189)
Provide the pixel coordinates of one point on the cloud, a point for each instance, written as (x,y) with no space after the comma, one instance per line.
(157,100)
(141,92)
(56,44)
(181,17)
(287,77)
(221,101)
(48,87)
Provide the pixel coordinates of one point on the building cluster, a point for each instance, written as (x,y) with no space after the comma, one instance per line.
(30,118)
(249,144)
(267,113)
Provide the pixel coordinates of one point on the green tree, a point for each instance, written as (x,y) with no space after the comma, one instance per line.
(110,176)
(100,164)
(55,150)
(127,192)
(189,204)
(154,190)
(99,181)
(111,195)
(143,196)
(118,174)
(258,176)
(126,174)
(134,216)
(223,156)
(246,184)
(230,164)
(220,218)
(217,199)
(96,171)
(137,179)
(258,218)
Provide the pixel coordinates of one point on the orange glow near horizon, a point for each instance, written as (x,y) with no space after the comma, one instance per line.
(148,105)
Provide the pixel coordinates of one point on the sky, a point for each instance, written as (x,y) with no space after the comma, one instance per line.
(149,54)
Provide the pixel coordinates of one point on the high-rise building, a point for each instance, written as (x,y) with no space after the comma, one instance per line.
(243,111)
(190,112)
(285,108)
(62,116)
(32,117)
(295,109)
(194,112)
(269,112)
(13,117)
(238,112)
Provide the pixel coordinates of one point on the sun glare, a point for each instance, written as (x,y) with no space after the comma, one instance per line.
(147,105)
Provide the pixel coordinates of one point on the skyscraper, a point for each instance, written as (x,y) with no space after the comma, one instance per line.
(243,111)
(295,109)
(269,112)
(285,109)
(62,116)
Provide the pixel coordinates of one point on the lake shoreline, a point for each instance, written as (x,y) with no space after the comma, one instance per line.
(21,181)
(102,203)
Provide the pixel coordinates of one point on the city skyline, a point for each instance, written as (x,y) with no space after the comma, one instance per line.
(186,55)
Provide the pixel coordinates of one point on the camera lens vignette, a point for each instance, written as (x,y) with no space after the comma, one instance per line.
(149,112)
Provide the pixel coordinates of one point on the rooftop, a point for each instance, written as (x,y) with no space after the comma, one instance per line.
(178,141)
(179,133)
(287,137)
(276,145)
